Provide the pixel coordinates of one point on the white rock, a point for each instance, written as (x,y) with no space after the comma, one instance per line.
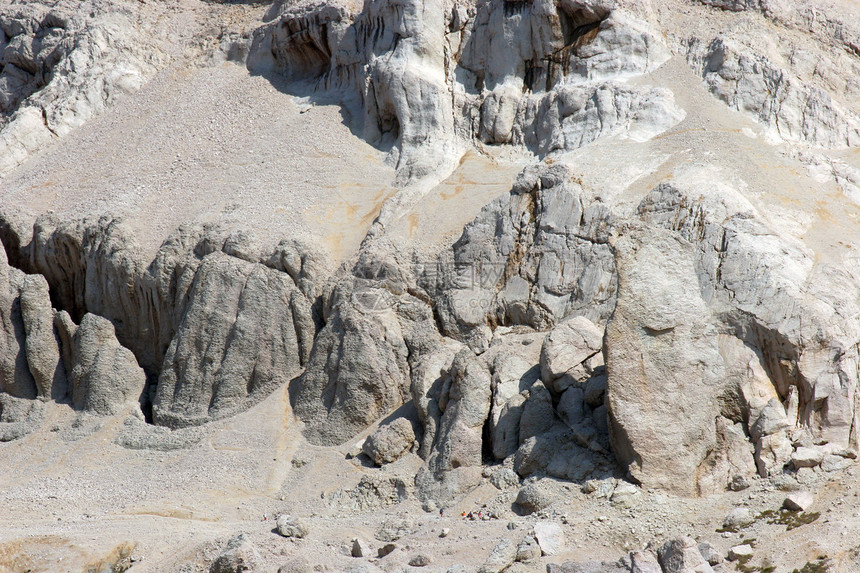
(740,551)
(799,501)
(550,537)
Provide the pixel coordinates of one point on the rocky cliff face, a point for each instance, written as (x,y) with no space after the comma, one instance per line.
(680,323)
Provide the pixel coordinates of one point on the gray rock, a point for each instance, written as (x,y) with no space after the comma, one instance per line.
(739,483)
(595,389)
(454,463)
(360,548)
(741,552)
(834,463)
(291,526)
(501,557)
(806,457)
(358,369)
(570,405)
(420,560)
(534,497)
(103,376)
(238,555)
(538,414)
(226,353)
(41,344)
(681,555)
(711,555)
(528,551)
(567,346)
(385,550)
(389,442)
(504,478)
(644,562)
(52,56)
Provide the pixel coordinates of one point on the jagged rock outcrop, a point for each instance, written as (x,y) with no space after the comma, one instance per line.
(795,109)
(453,465)
(359,367)
(198,318)
(30,364)
(532,257)
(61,64)
(541,75)
(740,336)
(240,337)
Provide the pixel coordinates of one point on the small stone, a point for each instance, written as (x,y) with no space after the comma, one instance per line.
(799,501)
(549,536)
(834,463)
(445,532)
(512,525)
(711,555)
(739,483)
(528,550)
(624,491)
(738,517)
(740,552)
(360,548)
(385,550)
(420,560)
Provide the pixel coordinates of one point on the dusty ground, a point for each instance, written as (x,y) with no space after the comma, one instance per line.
(72,496)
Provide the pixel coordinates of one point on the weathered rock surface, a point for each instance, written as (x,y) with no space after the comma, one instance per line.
(544,255)
(193,292)
(389,441)
(541,79)
(60,65)
(682,555)
(739,334)
(454,462)
(239,555)
(291,526)
(104,376)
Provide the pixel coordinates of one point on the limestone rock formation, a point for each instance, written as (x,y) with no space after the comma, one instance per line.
(539,76)
(454,462)
(103,375)
(754,360)
(238,339)
(532,257)
(376,329)
(61,64)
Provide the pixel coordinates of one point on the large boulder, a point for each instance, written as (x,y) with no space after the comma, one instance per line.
(104,377)
(568,347)
(238,556)
(752,339)
(389,441)
(660,343)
